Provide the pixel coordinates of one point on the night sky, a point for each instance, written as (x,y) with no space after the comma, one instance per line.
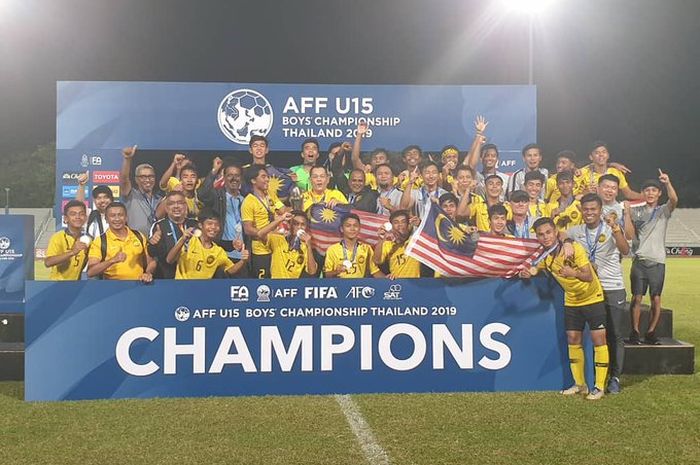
(623,71)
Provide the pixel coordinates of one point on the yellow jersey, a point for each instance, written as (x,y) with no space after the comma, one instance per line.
(552,193)
(136,252)
(287,263)
(577,293)
(371,181)
(198,262)
(479,214)
(400,264)
(416,185)
(539,210)
(570,216)
(193,203)
(309,197)
(260,212)
(590,176)
(361,260)
(60,243)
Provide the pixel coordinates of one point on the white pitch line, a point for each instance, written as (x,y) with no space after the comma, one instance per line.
(373,451)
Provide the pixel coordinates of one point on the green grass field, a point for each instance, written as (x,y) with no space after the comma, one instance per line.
(656,419)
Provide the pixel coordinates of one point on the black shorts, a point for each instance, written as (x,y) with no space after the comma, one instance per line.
(647,274)
(260,266)
(575,318)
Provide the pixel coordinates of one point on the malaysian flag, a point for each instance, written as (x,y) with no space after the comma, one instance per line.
(445,247)
(325,225)
(280,182)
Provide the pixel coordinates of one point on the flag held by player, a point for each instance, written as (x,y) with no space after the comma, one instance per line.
(445,247)
(325,225)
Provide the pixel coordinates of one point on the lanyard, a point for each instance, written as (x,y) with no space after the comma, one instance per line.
(525,231)
(235,206)
(345,251)
(175,230)
(568,204)
(651,218)
(270,215)
(546,253)
(556,248)
(151,203)
(387,193)
(593,246)
(426,195)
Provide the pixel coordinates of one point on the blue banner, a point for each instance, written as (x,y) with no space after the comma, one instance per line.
(16,260)
(101,339)
(95,120)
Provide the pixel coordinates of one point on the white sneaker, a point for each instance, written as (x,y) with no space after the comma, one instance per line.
(595,394)
(575,389)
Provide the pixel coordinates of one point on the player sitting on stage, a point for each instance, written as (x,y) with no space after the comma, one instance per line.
(201,257)
(66,254)
(350,258)
(583,303)
(391,247)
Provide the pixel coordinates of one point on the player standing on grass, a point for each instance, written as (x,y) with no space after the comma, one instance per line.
(583,303)
(605,242)
(649,266)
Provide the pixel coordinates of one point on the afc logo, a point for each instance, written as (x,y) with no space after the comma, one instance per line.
(356,292)
(239,294)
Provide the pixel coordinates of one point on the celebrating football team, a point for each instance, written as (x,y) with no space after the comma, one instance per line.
(257,221)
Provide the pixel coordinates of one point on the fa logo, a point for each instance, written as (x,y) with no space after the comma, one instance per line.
(239,293)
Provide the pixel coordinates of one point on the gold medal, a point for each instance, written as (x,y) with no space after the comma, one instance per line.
(533,270)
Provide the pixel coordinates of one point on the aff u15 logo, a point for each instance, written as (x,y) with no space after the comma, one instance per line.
(244,113)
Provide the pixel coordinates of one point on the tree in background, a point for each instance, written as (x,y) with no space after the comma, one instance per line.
(30,176)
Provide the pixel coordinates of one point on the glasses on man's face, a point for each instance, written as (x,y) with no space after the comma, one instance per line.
(146,176)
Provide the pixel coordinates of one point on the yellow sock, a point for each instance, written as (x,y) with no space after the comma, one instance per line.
(576,361)
(601,357)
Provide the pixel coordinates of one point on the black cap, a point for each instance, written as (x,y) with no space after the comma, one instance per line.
(651,183)
(519,196)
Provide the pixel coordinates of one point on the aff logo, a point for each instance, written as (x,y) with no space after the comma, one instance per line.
(96,160)
(182,313)
(239,294)
(366,292)
(5,243)
(263,293)
(244,113)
